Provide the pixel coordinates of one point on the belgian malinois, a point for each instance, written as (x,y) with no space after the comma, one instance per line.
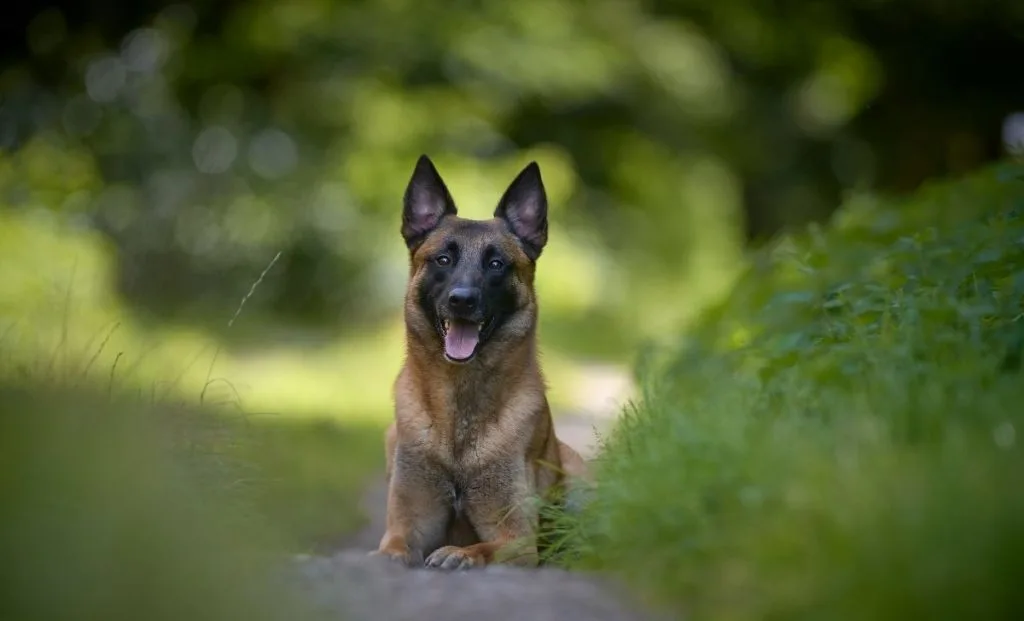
(473,441)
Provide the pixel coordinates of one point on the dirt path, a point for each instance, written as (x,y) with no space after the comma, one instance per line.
(353,586)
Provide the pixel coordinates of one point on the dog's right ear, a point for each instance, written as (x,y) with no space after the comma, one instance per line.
(427,200)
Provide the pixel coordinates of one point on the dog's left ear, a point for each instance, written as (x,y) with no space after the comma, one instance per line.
(524,206)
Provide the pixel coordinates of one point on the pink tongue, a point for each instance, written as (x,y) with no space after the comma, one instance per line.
(461,340)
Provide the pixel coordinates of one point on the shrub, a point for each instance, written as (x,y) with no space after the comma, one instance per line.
(838,438)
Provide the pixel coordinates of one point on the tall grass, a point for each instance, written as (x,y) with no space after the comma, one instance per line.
(120,505)
(303,475)
(115,504)
(106,514)
(839,439)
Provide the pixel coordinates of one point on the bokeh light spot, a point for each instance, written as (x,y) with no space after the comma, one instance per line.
(272,154)
(214,150)
(144,50)
(105,78)
(1013,133)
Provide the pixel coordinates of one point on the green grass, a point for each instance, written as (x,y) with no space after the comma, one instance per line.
(309,476)
(115,509)
(301,476)
(118,505)
(839,439)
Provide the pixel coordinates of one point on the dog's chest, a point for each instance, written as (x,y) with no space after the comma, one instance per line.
(456,491)
(466,435)
(464,444)
(469,429)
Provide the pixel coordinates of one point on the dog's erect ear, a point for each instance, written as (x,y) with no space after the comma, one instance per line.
(427,200)
(524,206)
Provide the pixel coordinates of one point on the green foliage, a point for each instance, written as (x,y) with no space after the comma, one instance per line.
(954,250)
(205,137)
(838,439)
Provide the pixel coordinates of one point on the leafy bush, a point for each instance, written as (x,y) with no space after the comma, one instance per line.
(838,438)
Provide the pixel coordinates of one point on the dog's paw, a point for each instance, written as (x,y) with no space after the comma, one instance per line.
(454,557)
(402,557)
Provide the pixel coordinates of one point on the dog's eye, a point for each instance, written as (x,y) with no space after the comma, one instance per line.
(443,260)
(495,264)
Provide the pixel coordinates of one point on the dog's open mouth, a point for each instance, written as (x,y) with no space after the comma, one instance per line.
(461,338)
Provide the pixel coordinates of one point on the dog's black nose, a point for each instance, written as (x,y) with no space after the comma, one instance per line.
(463,299)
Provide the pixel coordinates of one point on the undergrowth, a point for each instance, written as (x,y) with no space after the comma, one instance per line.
(122,503)
(838,439)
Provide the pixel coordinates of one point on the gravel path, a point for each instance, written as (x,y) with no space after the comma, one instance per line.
(353,586)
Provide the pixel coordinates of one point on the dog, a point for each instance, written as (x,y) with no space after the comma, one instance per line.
(473,439)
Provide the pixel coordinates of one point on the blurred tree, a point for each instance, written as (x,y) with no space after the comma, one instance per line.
(671,131)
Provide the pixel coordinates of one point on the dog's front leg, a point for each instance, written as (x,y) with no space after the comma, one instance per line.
(416,511)
(504,520)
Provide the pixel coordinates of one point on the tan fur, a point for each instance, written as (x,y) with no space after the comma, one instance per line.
(482,430)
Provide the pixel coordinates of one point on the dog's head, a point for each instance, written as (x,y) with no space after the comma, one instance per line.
(471,281)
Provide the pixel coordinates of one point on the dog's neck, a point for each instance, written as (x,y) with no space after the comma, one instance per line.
(477,389)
